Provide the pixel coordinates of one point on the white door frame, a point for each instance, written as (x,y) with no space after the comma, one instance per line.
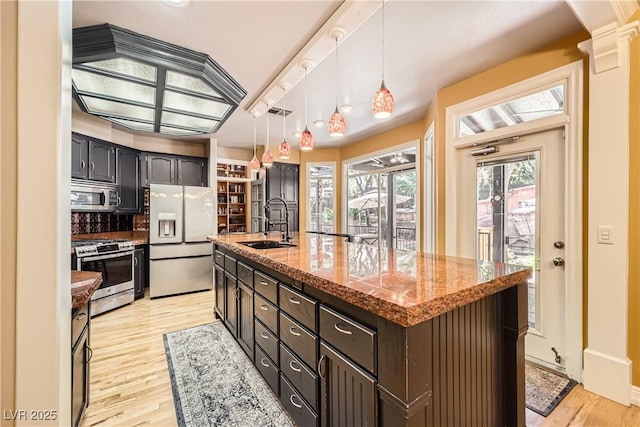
(572,77)
(333,165)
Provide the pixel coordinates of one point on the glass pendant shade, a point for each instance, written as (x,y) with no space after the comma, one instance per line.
(267,159)
(382,105)
(255,163)
(284,151)
(337,125)
(306,140)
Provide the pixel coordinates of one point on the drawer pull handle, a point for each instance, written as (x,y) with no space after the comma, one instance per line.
(293,367)
(264,335)
(294,300)
(81,316)
(344,331)
(294,330)
(90,354)
(264,363)
(264,307)
(320,365)
(264,283)
(297,405)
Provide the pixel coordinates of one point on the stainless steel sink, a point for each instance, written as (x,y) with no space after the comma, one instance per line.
(267,244)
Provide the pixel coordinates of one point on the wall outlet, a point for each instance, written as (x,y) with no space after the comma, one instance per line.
(605,235)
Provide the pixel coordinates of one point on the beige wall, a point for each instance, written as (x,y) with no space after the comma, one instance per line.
(634,209)
(89,125)
(8,194)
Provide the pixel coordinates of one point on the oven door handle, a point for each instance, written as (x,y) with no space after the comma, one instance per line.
(99,257)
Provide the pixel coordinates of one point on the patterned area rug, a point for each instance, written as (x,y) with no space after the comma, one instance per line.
(214,382)
(545,389)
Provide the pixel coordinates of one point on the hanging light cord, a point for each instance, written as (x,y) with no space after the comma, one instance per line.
(306,88)
(267,131)
(284,114)
(337,85)
(383,1)
(254,136)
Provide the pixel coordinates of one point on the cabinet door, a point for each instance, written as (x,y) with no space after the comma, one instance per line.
(102,161)
(80,379)
(245,319)
(160,169)
(128,173)
(138,273)
(79,157)
(231,306)
(191,172)
(290,183)
(274,181)
(220,293)
(348,394)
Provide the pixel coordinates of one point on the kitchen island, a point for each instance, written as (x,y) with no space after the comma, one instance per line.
(354,334)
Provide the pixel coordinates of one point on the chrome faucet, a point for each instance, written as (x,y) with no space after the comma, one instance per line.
(267,222)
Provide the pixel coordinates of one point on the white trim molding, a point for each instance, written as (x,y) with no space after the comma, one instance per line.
(624,9)
(307,172)
(635,395)
(571,76)
(607,369)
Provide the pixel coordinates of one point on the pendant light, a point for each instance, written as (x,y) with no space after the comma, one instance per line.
(337,125)
(382,104)
(306,138)
(267,157)
(255,163)
(284,151)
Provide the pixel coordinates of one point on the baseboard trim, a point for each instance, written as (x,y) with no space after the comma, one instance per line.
(608,376)
(635,395)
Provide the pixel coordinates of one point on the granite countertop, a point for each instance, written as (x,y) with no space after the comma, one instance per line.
(138,237)
(405,287)
(83,285)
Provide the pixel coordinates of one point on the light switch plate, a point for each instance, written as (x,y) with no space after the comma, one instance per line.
(605,235)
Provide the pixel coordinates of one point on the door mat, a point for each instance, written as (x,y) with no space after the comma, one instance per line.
(215,384)
(545,389)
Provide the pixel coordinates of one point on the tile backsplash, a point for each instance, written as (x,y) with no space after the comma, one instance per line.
(99,222)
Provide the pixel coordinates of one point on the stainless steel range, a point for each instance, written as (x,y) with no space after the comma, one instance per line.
(112,258)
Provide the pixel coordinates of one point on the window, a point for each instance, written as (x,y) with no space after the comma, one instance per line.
(527,108)
(321,197)
(381,199)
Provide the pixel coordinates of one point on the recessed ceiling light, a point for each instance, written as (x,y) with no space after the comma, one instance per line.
(319,123)
(177,3)
(346,108)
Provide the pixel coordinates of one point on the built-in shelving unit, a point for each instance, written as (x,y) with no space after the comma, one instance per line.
(233,204)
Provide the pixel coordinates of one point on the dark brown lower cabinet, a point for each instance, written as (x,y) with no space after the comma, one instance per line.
(231,304)
(80,357)
(220,293)
(245,319)
(347,393)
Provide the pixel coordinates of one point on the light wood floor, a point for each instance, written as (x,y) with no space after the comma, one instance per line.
(130,383)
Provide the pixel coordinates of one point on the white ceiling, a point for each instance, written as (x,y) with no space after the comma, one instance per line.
(429,45)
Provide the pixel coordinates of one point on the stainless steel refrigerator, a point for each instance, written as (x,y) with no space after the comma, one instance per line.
(180,257)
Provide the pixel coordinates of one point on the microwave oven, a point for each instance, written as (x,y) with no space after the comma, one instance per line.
(94,196)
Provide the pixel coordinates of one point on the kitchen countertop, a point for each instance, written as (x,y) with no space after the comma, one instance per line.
(83,285)
(405,287)
(138,237)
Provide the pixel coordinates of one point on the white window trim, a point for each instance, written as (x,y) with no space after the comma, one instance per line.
(572,76)
(429,238)
(334,165)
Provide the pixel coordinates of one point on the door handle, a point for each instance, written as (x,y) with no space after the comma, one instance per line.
(93,165)
(82,164)
(320,366)
(558,261)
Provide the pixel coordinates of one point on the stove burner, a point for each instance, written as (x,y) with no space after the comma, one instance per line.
(95,246)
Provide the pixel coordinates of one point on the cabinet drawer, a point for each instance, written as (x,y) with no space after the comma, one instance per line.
(79,319)
(245,273)
(266,312)
(351,338)
(230,264)
(267,340)
(301,377)
(220,258)
(303,343)
(301,413)
(300,307)
(267,369)
(266,286)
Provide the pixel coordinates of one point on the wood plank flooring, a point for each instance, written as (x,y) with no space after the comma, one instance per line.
(130,383)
